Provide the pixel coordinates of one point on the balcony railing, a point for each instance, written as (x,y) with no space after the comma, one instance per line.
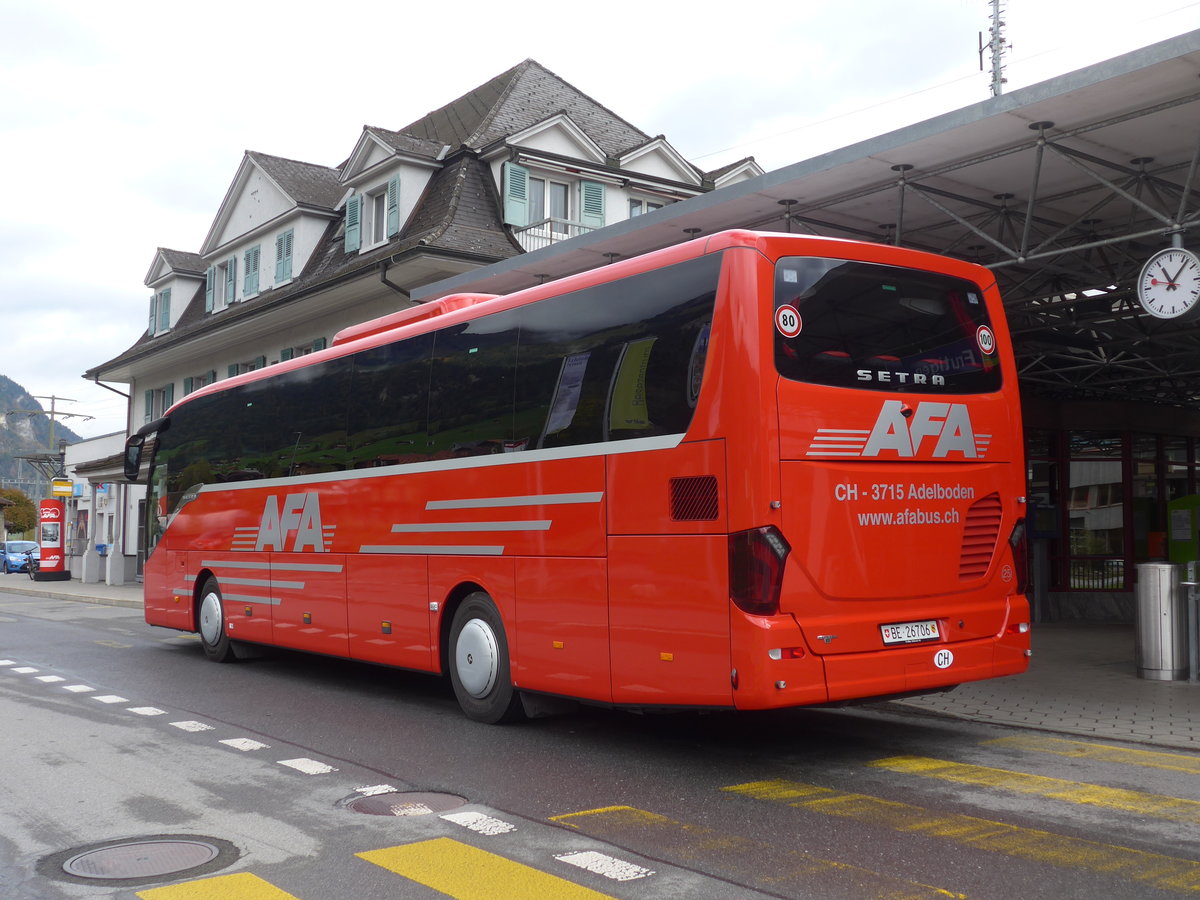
(549,231)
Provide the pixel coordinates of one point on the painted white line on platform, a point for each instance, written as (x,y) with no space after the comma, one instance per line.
(600,864)
(245,744)
(307,766)
(479,823)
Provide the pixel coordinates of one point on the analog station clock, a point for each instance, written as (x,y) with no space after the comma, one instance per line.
(1169,285)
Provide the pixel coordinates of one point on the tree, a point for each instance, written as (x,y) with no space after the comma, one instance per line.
(22,516)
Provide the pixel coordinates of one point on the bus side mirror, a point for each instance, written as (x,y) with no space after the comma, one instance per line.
(133,456)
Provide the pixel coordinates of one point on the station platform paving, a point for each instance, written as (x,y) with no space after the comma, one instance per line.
(1081,680)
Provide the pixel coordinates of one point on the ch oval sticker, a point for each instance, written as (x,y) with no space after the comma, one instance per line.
(943,659)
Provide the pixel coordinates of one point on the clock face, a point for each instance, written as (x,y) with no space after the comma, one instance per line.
(1169,286)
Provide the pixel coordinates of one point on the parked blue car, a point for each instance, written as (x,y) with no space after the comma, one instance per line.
(15,557)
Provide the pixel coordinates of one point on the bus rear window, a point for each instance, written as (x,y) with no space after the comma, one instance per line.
(882,328)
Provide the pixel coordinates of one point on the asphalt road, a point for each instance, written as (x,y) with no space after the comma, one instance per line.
(122,739)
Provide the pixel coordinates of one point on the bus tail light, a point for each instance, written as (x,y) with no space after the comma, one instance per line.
(756,559)
(1019,541)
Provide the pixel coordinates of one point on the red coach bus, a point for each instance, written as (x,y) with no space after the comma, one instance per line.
(750,471)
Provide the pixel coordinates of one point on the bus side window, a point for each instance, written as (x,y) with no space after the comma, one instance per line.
(389,404)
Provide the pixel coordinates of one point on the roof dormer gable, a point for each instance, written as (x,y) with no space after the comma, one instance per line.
(658,158)
(265,190)
(559,134)
(377,148)
(172,264)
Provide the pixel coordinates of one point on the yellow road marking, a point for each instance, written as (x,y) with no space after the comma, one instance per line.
(1153,759)
(1154,805)
(468,873)
(738,856)
(243,886)
(1162,872)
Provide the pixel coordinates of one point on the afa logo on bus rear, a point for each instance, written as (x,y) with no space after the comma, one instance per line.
(940,430)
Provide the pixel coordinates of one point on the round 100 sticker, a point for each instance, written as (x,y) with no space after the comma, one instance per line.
(986,339)
(787,321)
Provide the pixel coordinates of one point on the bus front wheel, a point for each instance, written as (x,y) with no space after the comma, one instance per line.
(479,666)
(210,621)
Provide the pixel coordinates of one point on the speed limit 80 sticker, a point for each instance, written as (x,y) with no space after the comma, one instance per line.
(788,321)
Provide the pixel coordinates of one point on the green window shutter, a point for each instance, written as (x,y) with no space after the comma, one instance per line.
(212,377)
(319,344)
(250,279)
(287,252)
(353,223)
(164,310)
(168,396)
(210,281)
(233,370)
(516,194)
(260,362)
(153,314)
(393,206)
(187,386)
(286,353)
(591,204)
(149,405)
(283,255)
(230,279)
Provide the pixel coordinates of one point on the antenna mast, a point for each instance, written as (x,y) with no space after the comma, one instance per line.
(997,46)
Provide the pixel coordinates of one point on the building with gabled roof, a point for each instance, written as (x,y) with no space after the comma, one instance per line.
(297,251)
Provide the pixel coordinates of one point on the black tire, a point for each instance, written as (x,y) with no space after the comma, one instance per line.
(479,666)
(210,623)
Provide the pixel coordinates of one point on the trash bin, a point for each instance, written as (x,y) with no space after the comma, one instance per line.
(1161,623)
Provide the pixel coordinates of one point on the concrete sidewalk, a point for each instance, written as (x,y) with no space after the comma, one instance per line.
(1081,681)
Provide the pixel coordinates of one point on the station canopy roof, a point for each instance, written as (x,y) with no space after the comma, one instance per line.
(1063,188)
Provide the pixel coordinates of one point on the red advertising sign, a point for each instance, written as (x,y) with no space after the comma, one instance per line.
(50,536)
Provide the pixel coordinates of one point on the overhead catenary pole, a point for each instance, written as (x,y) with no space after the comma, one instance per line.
(50,466)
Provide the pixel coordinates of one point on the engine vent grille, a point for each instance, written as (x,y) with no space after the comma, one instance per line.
(980,531)
(694,499)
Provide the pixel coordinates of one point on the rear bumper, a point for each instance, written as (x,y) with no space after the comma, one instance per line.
(767,683)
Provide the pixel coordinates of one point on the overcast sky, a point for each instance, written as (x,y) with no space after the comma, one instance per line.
(122,123)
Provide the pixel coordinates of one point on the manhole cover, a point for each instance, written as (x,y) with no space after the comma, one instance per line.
(140,859)
(132,861)
(407,803)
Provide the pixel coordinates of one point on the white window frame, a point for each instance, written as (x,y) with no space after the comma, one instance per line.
(545,212)
(639,206)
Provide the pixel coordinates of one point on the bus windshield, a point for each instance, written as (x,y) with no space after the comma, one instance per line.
(881,328)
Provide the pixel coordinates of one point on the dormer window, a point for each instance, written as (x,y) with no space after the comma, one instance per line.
(373,217)
(549,204)
(160,312)
(543,209)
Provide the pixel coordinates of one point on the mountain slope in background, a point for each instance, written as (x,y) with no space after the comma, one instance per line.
(22,435)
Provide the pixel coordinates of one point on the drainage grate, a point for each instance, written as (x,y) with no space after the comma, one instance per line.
(407,803)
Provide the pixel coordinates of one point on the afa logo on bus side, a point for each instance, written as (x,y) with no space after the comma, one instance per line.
(299,518)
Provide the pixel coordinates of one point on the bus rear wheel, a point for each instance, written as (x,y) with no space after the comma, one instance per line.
(210,622)
(479,665)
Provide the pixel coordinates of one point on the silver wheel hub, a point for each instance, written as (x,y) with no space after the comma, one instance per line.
(211,617)
(477,658)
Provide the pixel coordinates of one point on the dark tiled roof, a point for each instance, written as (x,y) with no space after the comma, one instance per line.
(306,183)
(182,261)
(526,94)
(406,143)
